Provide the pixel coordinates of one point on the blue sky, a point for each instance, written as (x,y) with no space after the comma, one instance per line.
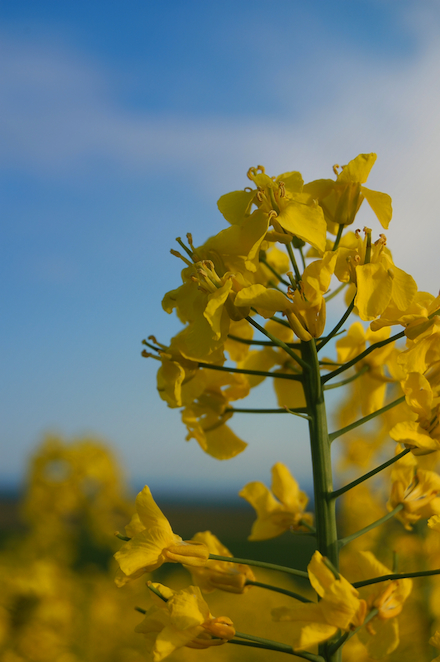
(122,124)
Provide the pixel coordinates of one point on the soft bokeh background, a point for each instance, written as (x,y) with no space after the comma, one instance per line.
(121,125)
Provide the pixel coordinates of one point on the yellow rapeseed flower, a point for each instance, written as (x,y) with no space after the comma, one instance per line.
(152,543)
(181,618)
(338,609)
(280,510)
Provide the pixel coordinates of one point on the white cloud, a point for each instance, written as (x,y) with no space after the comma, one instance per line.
(59,117)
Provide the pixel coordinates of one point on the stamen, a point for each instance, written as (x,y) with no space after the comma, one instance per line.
(177,254)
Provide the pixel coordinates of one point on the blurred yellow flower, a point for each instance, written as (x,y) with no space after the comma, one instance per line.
(280,510)
(181,618)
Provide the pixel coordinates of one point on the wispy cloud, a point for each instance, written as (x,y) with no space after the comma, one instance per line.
(60,117)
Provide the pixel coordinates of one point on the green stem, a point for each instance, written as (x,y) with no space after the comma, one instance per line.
(281,344)
(332,648)
(335,330)
(262,343)
(243,371)
(362,355)
(277,589)
(261,564)
(373,525)
(335,292)
(320,448)
(338,237)
(293,261)
(343,382)
(365,419)
(238,410)
(275,273)
(325,515)
(370,474)
(278,646)
(303,259)
(396,575)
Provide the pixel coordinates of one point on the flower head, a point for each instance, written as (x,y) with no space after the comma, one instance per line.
(279,510)
(152,543)
(338,609)
(181,618)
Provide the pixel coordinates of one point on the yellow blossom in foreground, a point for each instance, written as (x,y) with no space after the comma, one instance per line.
(230,577)
(279,510)
(379,283)
(153,543)
(181,618)
(381,635)
(415,489)
(341,199)
(338,609)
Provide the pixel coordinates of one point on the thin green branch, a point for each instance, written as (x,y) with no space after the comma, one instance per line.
(335,292)
(370,474)
(277,589)
(241,410)
(396,575)
(365,419)
(373,525)
(348,635)
(343,382)
(362,355)
(338,236)
(303,259)
(275,273)
(293,262)
(335,330)
(244,371)
(263,343)
(279,343)
(277,646)
(261,564)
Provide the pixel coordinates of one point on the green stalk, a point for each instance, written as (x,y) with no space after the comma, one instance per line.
(277,646)
(362,355)
(373,525)
(335,330)
(365,419)
(343,382)
(243,371)
(280,343)
(242,410)
(325,515)
(261,564)
(370,474)
(397,575)
(338,237)
(278,589)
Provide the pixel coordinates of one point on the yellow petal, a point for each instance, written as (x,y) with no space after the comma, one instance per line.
(306,222)
(374,289)
(222,443)
(235,206)
(380,203)
(144,551)
(358,169)
(284,486)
